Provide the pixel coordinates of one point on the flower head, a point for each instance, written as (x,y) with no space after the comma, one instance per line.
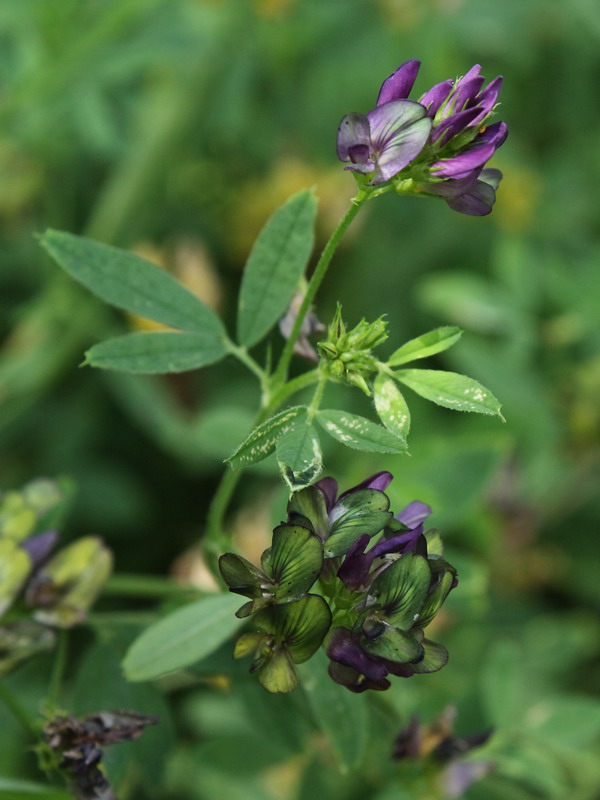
(450,162)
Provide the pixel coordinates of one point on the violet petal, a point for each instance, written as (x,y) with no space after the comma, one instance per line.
(344,649)
(433,99)
(329,488)
(355,568)
(353,130)
(461,165)
(379,481)
(399,83)
(452,125)
(414,514)
(399,131)
(476,201)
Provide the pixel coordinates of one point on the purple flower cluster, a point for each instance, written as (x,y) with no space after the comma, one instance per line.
(438,145)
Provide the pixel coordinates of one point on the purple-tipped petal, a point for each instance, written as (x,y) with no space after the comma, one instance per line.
(462,165)
(353,131)
(476,201)
(379,481)
(467,90)
(344,649)
(399,131)
(398,86)
(494,134)
(39,546)
(487,99)
(414,514)
(433,99)
(401,543)
(355,569)
(452,125)
(329,489)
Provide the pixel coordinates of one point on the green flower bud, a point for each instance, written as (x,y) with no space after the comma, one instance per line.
(15,566)
(65,588)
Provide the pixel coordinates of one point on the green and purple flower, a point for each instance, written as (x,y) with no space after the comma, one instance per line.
(387,144)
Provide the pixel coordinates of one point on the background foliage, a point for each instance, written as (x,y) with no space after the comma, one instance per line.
(175,127)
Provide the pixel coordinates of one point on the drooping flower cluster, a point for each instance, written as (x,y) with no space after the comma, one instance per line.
(42,590)
(438,145)
(369,602)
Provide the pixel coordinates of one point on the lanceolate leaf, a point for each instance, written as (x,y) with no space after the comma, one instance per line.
(261,442)
(391,406)
(342,716)
(450,389)
(129,282)
(275,266)
(299,455)
(426,345)
(359,433)
(182,638)
(156,352)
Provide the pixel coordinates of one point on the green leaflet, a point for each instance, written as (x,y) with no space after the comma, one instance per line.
(391,406)
(262,440)
(299,455)
(426,345)
(157,352)
(182,637)
(276,264)
(129,282)
(359,433)
(451,390)
(341,715)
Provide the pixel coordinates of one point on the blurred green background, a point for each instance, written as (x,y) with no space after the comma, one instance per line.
(175,127)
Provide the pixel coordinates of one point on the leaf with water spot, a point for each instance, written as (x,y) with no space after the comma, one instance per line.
(359,433)
(299,455)
(391,406)
(263,439)
(450,389)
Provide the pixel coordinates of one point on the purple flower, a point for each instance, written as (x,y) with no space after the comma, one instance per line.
(450,163)
(382,142)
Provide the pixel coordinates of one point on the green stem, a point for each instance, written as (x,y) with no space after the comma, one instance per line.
(58,671)
(242,355)
(318,396)
(17,710)
(215,540)
(126,585)
(316,279)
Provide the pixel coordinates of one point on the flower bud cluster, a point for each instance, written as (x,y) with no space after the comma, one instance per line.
(323,581)
(39,590)
(348,353)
